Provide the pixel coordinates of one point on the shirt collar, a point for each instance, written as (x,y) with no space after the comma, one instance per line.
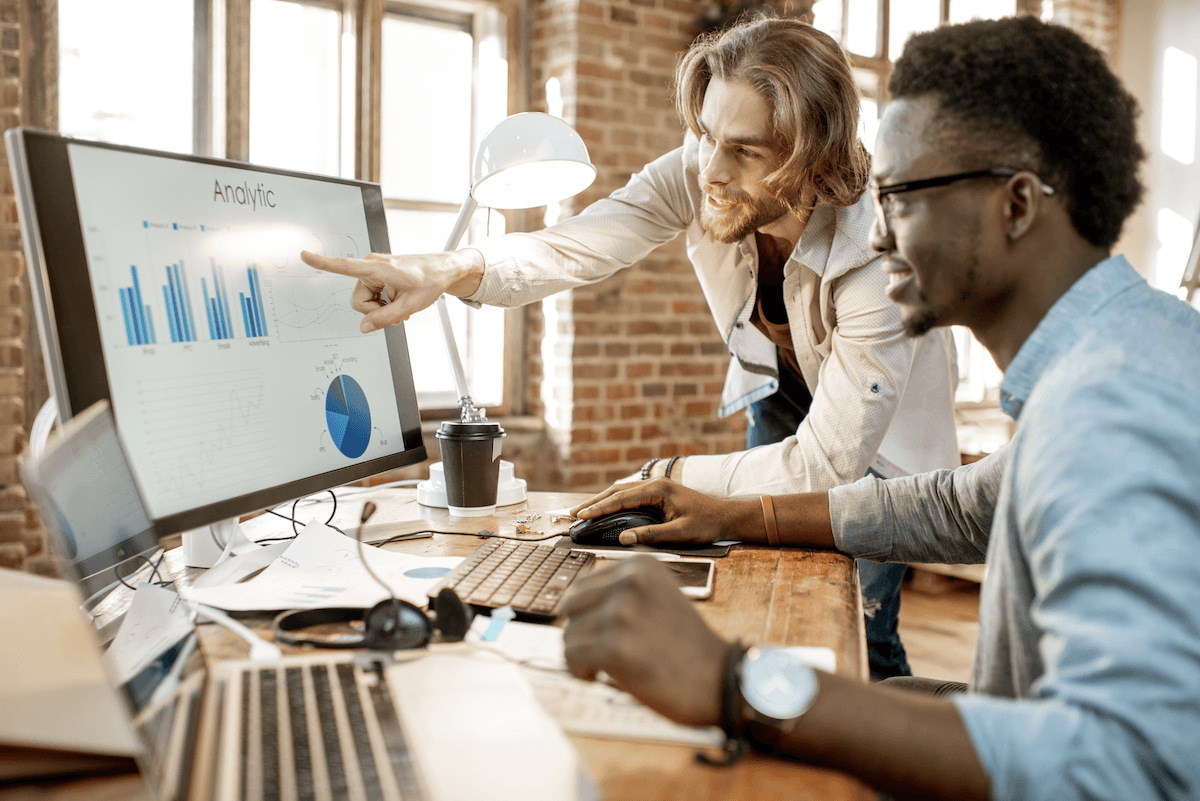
(1060,329)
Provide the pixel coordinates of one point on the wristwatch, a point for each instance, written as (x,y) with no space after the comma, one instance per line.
(776,689)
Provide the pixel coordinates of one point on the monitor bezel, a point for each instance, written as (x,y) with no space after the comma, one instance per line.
(69,329)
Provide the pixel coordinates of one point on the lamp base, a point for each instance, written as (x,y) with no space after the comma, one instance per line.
(432,492)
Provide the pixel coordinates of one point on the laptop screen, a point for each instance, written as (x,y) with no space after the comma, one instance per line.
(90,502)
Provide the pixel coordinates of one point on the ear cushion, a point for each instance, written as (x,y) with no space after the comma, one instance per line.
(453,616)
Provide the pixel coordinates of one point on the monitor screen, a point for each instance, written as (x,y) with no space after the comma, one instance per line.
(172,286)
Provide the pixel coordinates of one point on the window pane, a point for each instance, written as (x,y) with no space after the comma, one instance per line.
(863,34)
(868,125)
(425,131)
(908,17)
(294,86)
(478,333)
(827,17)
(967,10)
(115,92)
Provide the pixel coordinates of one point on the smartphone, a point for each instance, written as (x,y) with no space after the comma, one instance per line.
(695,576)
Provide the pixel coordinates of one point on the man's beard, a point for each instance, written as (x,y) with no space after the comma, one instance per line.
(922,321)
(917,316)
(742,220)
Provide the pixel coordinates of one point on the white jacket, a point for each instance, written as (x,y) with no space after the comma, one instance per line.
(880,398)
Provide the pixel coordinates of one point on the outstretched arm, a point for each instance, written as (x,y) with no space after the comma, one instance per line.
(411,282)
(634,624)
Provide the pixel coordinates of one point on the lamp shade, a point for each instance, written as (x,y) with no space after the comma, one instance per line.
(529,160)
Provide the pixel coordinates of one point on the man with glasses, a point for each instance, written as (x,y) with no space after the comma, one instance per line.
(1005,168)
(769,190)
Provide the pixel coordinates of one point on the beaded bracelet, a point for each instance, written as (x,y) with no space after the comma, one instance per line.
(646,468)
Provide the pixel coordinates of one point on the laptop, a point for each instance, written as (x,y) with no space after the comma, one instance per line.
(439,724)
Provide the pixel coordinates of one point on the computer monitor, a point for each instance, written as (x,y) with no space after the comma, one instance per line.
(172,286)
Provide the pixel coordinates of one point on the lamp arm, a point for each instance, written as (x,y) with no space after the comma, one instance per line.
(468,411)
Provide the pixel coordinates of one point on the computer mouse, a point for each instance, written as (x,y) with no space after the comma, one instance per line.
(606,529)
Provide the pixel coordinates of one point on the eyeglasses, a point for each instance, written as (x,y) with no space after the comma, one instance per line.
(880,193)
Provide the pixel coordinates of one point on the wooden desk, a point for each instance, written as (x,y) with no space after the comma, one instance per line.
(788,596)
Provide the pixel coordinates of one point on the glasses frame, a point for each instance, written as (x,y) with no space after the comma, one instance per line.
(878,193)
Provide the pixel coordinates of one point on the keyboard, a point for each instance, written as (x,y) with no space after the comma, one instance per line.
(529,577)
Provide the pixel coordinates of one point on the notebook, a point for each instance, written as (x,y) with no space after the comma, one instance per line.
(440,724)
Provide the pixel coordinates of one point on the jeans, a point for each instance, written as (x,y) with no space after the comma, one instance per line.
(777,417)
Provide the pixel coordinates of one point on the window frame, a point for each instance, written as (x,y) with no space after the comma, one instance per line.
(222,112)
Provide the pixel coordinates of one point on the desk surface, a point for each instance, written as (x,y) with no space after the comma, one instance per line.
(790,596)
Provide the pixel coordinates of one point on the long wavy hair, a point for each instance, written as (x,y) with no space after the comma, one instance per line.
(810,85)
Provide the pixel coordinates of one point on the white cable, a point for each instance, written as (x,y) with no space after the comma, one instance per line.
(260,649)
(47,416)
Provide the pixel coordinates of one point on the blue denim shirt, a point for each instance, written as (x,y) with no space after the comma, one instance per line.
(1086,680)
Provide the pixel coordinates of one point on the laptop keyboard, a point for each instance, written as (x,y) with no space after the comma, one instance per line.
(529,577)
(313,730)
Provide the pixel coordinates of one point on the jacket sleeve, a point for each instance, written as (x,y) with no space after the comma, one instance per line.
(609,235)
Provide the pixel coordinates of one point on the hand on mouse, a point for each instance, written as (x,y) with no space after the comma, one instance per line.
(691,516)
(633,623)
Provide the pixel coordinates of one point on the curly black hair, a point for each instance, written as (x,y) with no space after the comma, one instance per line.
(1018,86)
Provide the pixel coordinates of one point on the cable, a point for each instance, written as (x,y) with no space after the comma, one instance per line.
(155,576)
(368,510)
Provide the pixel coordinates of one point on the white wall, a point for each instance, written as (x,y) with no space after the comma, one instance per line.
(1172,203)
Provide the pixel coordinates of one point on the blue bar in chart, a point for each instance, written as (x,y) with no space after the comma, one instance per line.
(178,301)
(212,305)
(255,302)
(179,311)
(247,315)
(139,328)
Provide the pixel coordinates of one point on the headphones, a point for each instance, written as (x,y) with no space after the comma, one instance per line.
(390,625)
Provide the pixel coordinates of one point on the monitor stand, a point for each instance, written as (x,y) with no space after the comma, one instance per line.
(204,546)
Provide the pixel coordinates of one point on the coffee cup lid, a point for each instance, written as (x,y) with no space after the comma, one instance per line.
(455,430)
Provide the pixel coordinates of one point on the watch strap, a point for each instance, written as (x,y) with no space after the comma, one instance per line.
(732,720)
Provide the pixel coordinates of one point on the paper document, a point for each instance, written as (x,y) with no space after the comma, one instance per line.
(583,707)
(156,620)
(597,709)
(321,568)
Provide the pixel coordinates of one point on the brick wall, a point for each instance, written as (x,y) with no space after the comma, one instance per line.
(23,99)
(1094,20)
(635,363)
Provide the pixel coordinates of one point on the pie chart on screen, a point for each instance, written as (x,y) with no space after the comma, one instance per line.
(348,416)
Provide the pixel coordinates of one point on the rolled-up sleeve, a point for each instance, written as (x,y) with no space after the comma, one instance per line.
(609,235)
(942,516)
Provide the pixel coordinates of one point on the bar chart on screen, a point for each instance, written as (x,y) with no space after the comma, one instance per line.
(201,283)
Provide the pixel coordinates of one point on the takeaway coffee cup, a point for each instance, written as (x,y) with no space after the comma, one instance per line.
(471,463)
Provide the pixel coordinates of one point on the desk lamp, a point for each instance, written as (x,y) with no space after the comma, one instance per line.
(528,160)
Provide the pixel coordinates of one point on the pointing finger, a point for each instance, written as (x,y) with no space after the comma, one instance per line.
(355,268)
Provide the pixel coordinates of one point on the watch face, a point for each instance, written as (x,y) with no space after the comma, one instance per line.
(777,684)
